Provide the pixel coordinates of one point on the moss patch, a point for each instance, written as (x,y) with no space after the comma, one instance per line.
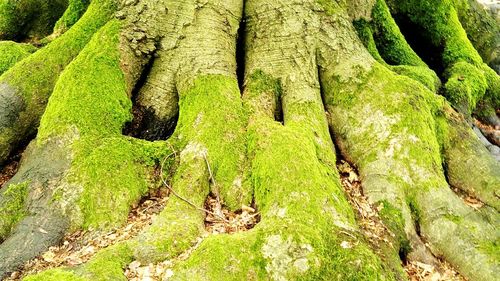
(76,8)
(211,113)
(12,52)
(12,208)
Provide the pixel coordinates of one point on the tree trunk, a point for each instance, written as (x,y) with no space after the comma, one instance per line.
(251,102)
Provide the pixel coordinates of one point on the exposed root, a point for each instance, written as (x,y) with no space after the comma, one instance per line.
(79,247)
(377,233)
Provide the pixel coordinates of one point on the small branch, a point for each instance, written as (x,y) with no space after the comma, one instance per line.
(216,187)
(182,198)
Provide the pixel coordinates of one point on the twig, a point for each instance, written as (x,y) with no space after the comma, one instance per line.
(216,187)
(182,198)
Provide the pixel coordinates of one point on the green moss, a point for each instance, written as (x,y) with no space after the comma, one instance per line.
(108,264)
(491,249)
(12,208)
(262,95)
(393,219)
(304,213)
(91,100)
(481,27)
(211,114)
(45,66)
(330,7)
(387,45)
(177,227)
(492,96)
(389,39)
(402,121)
(102,105)
(76,8)
(282,252)
(466,85)
(422,74)
(113,173)
(467,80)
(454,218)
(58,274)
(12,52)
(365,33)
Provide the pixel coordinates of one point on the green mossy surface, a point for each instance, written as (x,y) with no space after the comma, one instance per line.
(179,224)
(482,29)
(76,8)
(465,87)
(422,74)
(469,164)
(393,219)
(43,69)
(385,42)
(12,208)
(389,39)
(12,52)
(405,104)
(211,113)
(58,274)
(91,100)
(302,210)
(109,264)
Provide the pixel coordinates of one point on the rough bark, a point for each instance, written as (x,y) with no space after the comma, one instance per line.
(258,127)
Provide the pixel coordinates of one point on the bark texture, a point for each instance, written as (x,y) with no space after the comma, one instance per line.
(247,101)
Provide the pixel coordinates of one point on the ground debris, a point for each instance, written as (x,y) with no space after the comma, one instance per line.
(423,272)
(367,215)
(221,220)
(491,133)
(468,200)
(80,246)
(150,272)
(10,168)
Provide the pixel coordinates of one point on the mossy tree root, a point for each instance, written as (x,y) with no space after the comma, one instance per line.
(70,181)
(74,11)
(274,143)
(468,79)
(12,53)
(385,42)
(25,96)
(400,164)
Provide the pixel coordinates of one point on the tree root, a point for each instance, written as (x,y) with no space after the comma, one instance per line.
(273,145)
(26,98)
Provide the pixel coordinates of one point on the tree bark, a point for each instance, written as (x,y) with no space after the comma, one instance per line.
(253,101)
